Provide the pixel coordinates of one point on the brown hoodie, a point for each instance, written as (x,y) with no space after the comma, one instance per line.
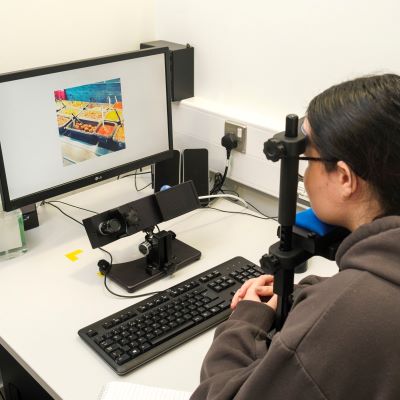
(340,341)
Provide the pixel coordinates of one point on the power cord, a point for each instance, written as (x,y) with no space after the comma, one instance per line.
(230,142)
(144,187)
(67,204)
(134,174)
(104,265)
(236,198)
(228,196)
(239,212)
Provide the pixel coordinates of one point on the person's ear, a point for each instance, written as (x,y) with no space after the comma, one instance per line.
(347,180)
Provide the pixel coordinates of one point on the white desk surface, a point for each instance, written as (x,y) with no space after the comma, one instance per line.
(45,298)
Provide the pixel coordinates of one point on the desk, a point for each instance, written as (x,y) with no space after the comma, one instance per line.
(45,298)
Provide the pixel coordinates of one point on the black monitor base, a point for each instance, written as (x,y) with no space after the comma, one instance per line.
(133,275)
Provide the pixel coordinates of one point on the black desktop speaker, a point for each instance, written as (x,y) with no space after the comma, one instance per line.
(195,168)
(181,65)
(167,172)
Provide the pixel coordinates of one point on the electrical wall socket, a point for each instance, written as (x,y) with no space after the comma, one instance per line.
(240,131)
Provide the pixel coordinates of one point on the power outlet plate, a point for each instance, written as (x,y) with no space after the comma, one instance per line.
(240,131)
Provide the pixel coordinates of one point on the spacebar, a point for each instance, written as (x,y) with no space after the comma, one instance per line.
(173,332)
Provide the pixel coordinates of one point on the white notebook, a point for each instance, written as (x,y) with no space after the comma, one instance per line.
(132,391)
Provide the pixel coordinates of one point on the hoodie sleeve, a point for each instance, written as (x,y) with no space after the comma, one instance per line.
(239,345)
(239,365)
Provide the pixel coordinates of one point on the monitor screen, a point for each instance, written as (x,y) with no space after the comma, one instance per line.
(70,125)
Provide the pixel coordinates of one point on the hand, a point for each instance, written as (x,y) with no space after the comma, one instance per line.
(256,289)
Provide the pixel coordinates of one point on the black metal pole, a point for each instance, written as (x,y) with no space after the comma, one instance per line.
(284,278)
(282,259)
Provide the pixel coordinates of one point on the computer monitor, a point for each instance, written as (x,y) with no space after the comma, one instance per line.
(66,126)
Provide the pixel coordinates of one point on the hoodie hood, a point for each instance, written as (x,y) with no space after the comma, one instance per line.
(373,247)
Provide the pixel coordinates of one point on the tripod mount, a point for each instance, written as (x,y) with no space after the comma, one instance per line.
(163,255)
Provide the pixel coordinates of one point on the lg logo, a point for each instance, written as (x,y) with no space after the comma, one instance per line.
(98,178)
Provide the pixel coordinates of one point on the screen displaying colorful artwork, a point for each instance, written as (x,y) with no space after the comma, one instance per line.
(90,120)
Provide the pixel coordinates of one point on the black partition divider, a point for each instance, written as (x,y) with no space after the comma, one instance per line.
(18,383)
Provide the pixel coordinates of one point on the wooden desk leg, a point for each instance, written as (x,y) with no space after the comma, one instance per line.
(18,383)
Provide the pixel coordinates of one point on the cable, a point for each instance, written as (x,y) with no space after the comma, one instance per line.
(1,392)
(229,190)
(67,204)
(105,251)
(237,197)
(231,196)
(126,296)
(239,212)
(136,173)
(219,179)
(62,212)
(138,190)
(251,205)
(230,142)
(144,187)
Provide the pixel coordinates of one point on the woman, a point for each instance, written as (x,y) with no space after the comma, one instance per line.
(341,338)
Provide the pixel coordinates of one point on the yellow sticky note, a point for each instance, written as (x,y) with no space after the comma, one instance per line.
(73,255)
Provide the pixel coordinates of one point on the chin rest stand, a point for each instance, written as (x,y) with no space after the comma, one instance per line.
(164,254)
(296,244)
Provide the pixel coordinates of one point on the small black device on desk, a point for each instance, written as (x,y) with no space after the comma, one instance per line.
(137,334)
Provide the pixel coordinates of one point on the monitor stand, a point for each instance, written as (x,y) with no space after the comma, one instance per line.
(167,255)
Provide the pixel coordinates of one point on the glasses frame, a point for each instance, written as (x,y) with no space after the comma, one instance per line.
(300,177)
(316,159)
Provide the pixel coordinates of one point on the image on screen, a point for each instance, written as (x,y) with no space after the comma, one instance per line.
(90,120)
(82,122)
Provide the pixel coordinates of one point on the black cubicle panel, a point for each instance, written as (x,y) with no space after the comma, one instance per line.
(18,383)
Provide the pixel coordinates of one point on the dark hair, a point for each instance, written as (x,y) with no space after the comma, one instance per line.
(358,122)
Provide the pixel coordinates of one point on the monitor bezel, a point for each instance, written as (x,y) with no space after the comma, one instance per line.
(12,204)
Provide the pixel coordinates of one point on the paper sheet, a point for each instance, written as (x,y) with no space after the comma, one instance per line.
(132,391)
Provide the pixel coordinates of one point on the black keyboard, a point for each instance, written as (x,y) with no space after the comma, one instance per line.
(143,331)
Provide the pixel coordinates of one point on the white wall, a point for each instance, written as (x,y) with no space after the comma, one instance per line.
(271,57)
(257,61)
(44,32)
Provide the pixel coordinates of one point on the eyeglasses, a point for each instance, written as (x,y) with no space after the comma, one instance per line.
(300,177)
(316,159)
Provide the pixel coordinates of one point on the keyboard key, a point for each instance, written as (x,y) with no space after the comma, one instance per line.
(122,359)
(197,319)
(117,353)
(111,348)
(213,303)
(145,346)
(206,314)
(135,352)
(108,325)
(106,343)
(172,333)
(91,333)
